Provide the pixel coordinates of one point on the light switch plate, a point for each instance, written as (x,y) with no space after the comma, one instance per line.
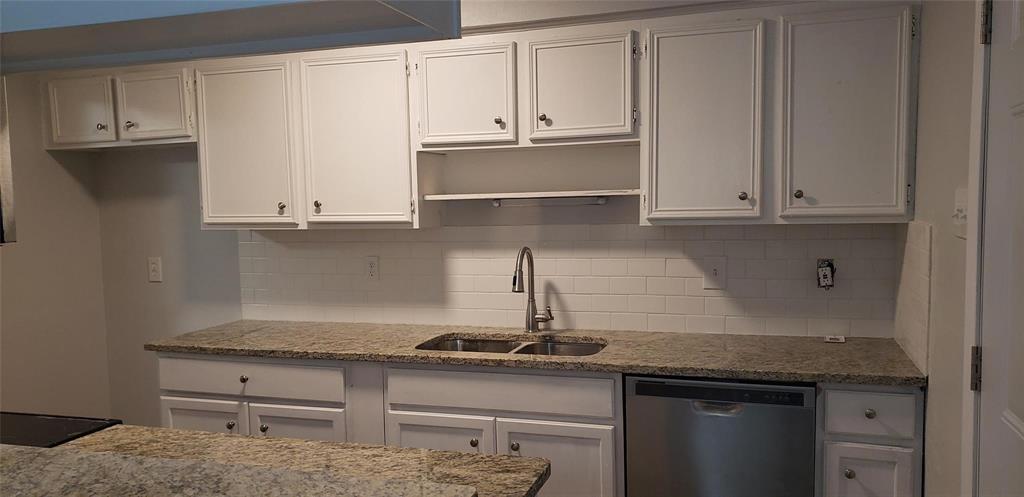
(156,269)
(714,273)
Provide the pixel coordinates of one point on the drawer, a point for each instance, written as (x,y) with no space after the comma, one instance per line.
(559,395)
(283,381)
(863,470)
(879,414)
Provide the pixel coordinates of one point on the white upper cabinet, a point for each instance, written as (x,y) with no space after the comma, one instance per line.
(703,148)
(844,116)
(154,104)
(355,111)
(245,149)
(581,87)
(82,110)
(468,94)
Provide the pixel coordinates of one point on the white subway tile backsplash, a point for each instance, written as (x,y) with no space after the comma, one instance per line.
(616,276)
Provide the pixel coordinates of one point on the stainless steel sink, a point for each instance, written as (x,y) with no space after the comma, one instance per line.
(470,345)
(561,348)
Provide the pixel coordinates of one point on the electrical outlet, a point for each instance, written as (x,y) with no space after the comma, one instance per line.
(156,269)
(714,273)
(373,267)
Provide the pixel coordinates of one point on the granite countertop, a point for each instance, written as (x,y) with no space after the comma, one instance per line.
(137,460)
(868,361)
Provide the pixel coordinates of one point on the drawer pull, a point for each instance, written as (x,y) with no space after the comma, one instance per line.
(473,442)
(243,379)
(230,425)
(264,428)
(514,446)
(849,473)
(870,414)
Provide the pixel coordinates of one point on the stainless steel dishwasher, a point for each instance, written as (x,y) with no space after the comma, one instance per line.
(711,439)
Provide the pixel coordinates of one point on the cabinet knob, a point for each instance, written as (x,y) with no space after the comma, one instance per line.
(264,428)
(743,196)
(514,446)
(542,117)
(243,379)
(281,206)
(230,425)
(870,413)
(849,473)
(798,194)
(100,126)
(473,442)
(129,124)
(498,120)
(317,204)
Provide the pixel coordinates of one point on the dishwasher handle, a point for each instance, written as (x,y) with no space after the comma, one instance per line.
(712,408)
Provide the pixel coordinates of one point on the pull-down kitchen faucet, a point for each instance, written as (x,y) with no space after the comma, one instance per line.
(533,319)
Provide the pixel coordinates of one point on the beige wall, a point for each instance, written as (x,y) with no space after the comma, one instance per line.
(149,206)
(947,46)
(53,350)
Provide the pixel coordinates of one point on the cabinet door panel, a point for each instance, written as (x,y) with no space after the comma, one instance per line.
(468,94)
(582,455)
(245,152)
(582,87)
(224,416)
(705,141)
(463,433)
(82,110)
(154,105)
(307,423)
(356,118)
(860,470)
(845,109)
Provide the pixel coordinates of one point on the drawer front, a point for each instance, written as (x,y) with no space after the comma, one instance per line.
(862,470)
(556,395)
(891,415)
(254,379)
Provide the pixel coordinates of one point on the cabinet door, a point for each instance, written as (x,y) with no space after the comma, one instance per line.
(581,87)
(845,105)
(356,121)
(468,94)
(154,104)
(582,455)
(860,470)
(307,423)
(245,150)
(82,110)
(225,416)
(704,145)
(463,433)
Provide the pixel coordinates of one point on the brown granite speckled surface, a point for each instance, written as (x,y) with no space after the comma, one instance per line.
(875,361)
(490,475)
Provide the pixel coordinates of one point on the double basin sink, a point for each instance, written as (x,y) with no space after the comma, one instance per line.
(544,346)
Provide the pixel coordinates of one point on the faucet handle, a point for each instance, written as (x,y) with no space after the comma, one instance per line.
(543,317)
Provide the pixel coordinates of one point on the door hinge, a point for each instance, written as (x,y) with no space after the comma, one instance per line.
(407,72)
(636,52)
(910,193)
(412,206)
(636,114)
(643,200)
(913,27)
(976,368)
(986,23)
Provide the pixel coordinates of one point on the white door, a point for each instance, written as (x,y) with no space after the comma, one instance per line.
(581,87)
(1001,436)
(861,470)
(307,423)
(468,94)
(154,104)
(224,416)
(462,433)
(245,149)
(356,126)
(82,110)
(703,147)
(582,455)
(845,108)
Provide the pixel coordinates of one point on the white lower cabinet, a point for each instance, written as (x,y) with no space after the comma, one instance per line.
(863,470)
(463,433)
(310,423)
(582,455)
(225,416)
